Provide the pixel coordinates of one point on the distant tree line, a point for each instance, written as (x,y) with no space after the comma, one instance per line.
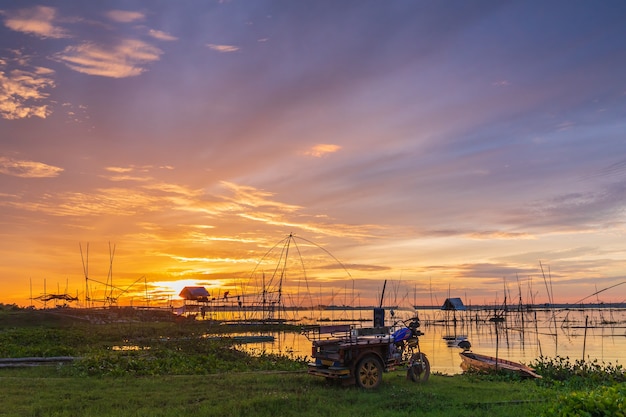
(10,307)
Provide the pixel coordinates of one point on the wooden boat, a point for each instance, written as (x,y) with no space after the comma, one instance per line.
(476,361)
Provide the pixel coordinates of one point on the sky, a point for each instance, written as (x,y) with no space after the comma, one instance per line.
(472,149)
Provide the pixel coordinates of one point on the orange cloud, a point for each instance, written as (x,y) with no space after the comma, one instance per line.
(162,36)
(38,21)
(252,197)
(22,90)
(28,169)
(126,59)
(322,149)
(223,48)
(487,235)
(125,16)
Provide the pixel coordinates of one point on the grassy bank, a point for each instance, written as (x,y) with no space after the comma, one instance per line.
(41,393)
(155,368)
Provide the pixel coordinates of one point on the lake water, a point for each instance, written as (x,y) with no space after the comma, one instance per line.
(522,337)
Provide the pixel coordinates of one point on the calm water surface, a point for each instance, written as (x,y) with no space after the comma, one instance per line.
(522,337)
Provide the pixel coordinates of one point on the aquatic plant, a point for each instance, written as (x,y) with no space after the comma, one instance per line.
(580,373)
(179,357)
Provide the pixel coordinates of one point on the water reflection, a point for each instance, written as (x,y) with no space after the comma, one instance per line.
(523,336)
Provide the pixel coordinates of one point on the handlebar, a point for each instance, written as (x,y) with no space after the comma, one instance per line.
(412,323)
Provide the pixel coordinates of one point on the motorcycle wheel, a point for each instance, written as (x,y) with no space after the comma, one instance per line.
(419,368)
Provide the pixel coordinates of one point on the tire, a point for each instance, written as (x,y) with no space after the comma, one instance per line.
(419,368)
(369,372)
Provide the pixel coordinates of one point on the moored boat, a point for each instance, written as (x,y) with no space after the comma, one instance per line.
(478,362)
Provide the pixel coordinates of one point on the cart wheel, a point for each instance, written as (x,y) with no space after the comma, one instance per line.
(419,368)
(369,372)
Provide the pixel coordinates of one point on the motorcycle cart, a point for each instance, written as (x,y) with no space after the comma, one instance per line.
(361,355)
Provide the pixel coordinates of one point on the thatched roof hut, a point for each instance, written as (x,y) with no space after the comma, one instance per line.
(194,294)
(453,304)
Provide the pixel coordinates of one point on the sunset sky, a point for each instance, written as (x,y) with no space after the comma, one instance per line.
(449,147)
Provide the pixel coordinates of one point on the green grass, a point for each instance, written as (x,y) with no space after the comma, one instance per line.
(40,393)
(176,372)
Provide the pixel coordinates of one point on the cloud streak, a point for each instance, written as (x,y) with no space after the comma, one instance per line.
(125,16)
(126,59)
(38,21)
(160,35)
(28,169)
(222,48)
(322,149)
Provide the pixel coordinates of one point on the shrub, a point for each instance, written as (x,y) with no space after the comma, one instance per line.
(601,402)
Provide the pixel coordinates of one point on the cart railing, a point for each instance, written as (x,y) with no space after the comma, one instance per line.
(342,331)
(321,332)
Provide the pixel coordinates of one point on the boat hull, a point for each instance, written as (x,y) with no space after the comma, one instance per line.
(484,363)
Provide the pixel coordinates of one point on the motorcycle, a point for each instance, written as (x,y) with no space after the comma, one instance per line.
(405,350)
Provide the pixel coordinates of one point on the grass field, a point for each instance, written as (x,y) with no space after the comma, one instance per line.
(173,370)
(40,392)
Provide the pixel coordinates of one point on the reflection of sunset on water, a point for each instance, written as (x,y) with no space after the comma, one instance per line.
(606,343)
